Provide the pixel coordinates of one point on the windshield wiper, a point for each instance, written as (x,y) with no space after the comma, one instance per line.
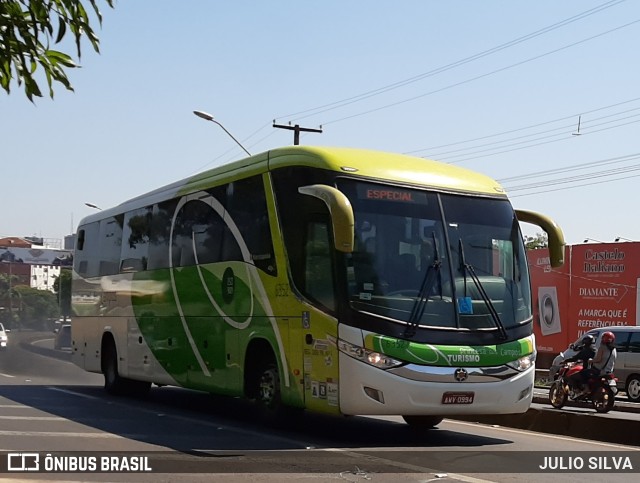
(466,267)
(433,272)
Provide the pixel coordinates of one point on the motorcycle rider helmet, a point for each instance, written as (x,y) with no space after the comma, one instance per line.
(588,340)
(608,338)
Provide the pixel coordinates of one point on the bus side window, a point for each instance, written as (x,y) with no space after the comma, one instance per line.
(135,239)
(247,206)
(318,279)
(80,242)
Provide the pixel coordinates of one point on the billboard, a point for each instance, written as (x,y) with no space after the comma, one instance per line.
(550,295)
(596,287)
(36,256)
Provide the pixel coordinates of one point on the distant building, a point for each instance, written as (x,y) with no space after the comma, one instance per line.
(32,264)
(70,242)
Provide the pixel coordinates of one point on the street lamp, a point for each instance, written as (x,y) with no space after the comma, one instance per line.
(586,240)
(91,205)
(623,238)
(208,117)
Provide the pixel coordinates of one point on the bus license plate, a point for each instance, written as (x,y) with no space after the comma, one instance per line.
(457,398)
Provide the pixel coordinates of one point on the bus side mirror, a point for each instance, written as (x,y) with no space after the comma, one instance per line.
(554,234)
(342,220)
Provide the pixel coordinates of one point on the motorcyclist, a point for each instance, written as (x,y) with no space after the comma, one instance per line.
(587,352)
(605,359)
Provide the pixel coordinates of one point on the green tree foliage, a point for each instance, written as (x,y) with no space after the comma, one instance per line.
(539,241)
(26,307)
(36,308)
(28,28)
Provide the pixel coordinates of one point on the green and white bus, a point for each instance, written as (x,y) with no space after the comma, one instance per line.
(336,280)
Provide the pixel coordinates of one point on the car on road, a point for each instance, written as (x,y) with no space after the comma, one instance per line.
(4,339)
(63,338)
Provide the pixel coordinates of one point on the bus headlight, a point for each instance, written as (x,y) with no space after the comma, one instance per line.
(523,363)
(372,358)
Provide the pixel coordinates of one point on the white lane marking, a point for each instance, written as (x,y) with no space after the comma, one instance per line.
(408,466)
(187,419)
(63,434)
(6,375)
(547,435)
(35,418)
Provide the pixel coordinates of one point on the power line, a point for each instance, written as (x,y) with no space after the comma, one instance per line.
(564,132)
(573,179)
(481,76)
(532,126)
(563,138)
(573,187)
(577,178)
(549,172)
(375,92)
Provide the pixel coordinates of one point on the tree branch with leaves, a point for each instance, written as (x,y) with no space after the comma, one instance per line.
(29,28)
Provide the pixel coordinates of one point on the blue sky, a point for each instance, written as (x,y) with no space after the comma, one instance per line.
(494,86)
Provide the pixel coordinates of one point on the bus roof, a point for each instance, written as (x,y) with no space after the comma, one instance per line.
(387,166)
(369,164)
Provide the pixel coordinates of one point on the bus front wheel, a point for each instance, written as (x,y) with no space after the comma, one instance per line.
(269,388)
(422,422)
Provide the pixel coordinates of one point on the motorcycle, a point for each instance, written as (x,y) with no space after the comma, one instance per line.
(600,390)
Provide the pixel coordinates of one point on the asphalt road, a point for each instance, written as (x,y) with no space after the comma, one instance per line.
(48,405)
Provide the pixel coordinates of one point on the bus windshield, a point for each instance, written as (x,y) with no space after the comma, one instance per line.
(429,259)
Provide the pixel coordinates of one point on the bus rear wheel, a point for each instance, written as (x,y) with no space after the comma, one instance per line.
(422,422)
(114,383)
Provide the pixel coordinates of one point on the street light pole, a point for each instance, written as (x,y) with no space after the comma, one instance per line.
(91,205)
(208,117)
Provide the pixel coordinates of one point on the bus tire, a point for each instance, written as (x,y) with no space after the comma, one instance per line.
(422,422)
(113,383)
(269,398)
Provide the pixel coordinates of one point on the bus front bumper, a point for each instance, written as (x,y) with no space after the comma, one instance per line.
(367,390)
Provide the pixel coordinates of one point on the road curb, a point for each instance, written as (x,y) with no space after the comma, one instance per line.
(45,351)
(585,425)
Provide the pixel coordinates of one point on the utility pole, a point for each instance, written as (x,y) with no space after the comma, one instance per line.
(296,130)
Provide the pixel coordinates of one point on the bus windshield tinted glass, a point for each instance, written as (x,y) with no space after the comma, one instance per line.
(415,250)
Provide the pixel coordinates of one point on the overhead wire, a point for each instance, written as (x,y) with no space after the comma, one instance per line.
(549,184)
(532,126)
(573,187)
(381,90)
(535,144)
(564,135)
(481,76)
(550,172)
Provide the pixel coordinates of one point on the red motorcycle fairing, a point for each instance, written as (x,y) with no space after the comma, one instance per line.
(574,369)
